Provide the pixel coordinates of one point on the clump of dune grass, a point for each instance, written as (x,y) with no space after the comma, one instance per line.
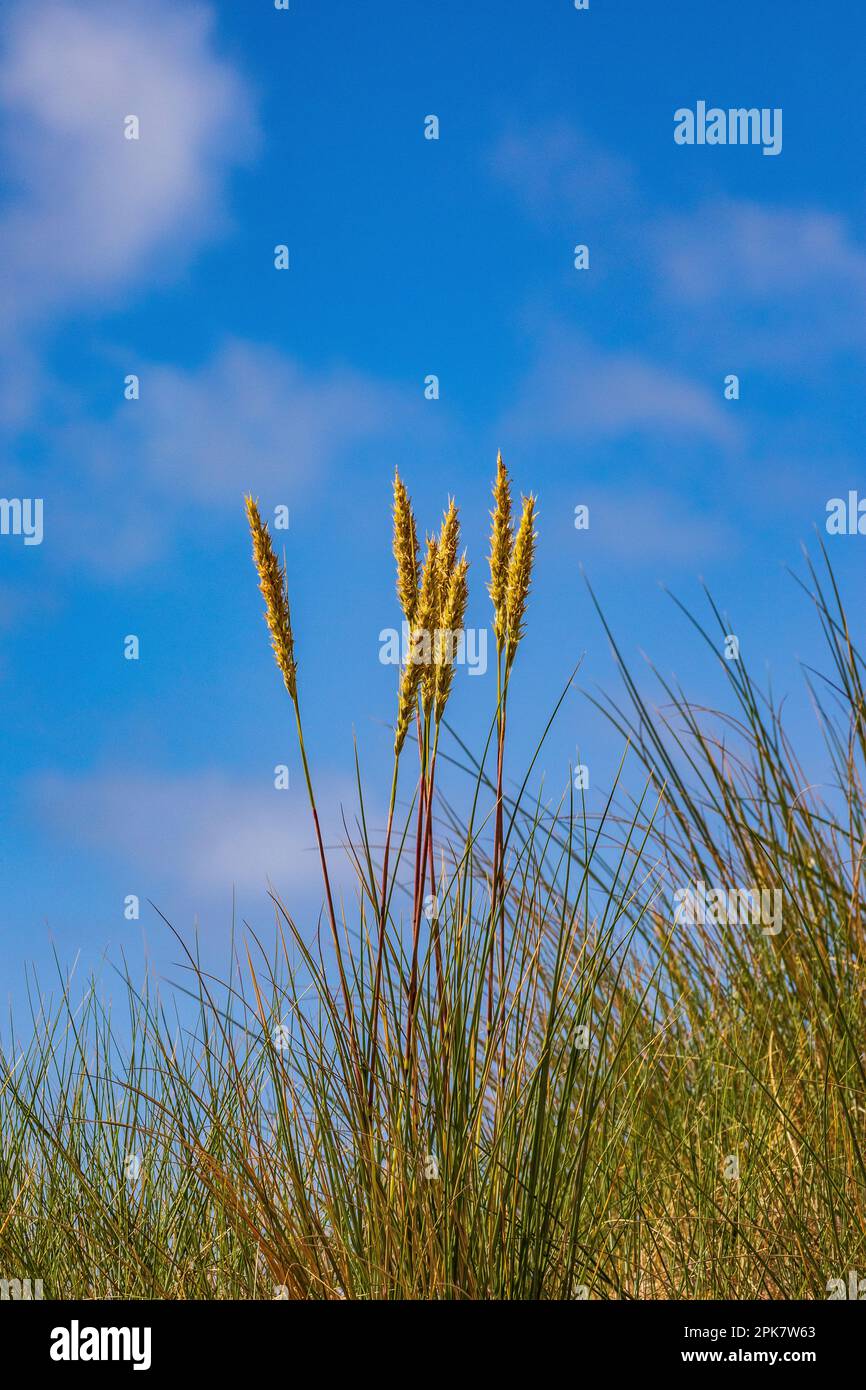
(511,1072)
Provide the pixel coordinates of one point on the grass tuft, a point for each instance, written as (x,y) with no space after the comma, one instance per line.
(514,1072)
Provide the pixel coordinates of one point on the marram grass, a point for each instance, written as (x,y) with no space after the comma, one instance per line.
(543,1086)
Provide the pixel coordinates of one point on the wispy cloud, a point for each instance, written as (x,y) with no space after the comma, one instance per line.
(202,833)
(652,524)
(753,283)
(90,211)
(578,389)
(785,285)
(553,167)
(247,419)
(250,417)
(756,252)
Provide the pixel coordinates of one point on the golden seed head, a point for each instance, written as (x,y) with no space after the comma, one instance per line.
(426,618)
(418,670)
(407,703)
(405,550)
(520,574)
(451,625)
(272,582)
(449,540)
(501,536)
(428,602)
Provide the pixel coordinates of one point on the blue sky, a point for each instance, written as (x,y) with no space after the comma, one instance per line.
(408,257)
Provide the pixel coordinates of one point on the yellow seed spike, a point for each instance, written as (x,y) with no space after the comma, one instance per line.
(520,574)
(419,664)
(272,582)
(407,701)
(426,618)
(405,550)
(449,540)
(451,625)
(501,537)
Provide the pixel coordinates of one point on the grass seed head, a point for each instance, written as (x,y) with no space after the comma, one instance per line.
(418,671)
(449,540)
(405,550)
(501,537)
(451,622)
(520,574)
(407,702)
(427,617)
(272,582)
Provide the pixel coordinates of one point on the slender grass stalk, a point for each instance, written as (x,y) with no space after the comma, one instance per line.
(405,546)
(272,582)
(511,560)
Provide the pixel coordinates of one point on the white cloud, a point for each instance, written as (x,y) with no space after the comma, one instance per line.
(247,420)
(782,286)
(553,168)
(578,390)
(250,418)
(22,601)
(92,211)
(636,526)
(752,252)
(203,833)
